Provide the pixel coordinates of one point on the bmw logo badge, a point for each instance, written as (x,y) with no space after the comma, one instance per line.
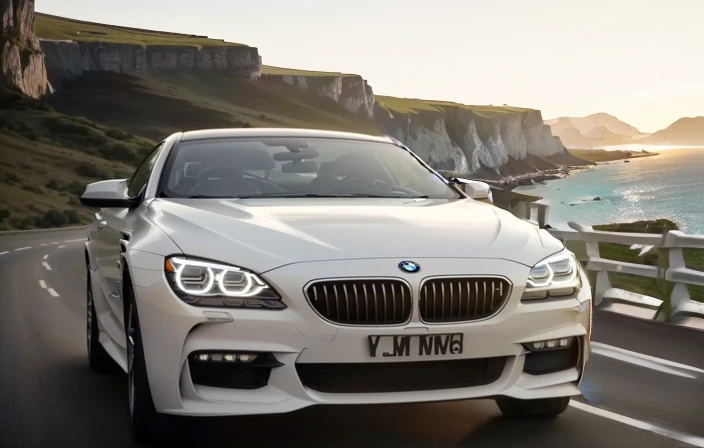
(409,266)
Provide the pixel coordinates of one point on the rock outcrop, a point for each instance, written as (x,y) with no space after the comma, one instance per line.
(21,60)
(352,92)
(460,139)
(67,59)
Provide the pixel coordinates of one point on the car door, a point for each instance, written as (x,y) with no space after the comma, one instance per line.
(115,231)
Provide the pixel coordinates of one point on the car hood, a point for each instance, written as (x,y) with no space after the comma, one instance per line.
(263,234)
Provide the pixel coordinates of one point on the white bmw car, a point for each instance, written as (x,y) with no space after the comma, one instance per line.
(265,270)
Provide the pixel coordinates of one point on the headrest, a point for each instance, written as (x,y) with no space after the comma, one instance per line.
(327,168)
(192,169)
(253,159)
(356,165)
(224,173)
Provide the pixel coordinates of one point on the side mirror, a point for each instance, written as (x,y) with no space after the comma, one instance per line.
(475,189)
(108,194)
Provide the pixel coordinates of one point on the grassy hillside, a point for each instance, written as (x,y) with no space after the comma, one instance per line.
(156,105)
(61,28)
(46,159)
(413,105)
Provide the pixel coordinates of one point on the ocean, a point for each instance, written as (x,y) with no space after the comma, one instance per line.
(669,185)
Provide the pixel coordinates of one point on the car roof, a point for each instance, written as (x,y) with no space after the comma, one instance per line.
(279,132)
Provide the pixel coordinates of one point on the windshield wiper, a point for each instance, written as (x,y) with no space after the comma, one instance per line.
(303,195)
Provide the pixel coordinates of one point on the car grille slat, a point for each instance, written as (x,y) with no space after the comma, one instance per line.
(361,301)
(445,299)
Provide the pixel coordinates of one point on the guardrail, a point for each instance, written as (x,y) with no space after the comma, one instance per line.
(532,211)
(671,300)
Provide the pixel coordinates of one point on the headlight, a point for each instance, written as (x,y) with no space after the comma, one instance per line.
(203,283)
(556,276)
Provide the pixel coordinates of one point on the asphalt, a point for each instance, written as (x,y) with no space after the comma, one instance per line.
(50,398)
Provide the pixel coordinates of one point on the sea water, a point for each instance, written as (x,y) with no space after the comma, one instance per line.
(669,185)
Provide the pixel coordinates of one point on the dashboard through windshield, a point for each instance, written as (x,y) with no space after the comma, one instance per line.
(275,167)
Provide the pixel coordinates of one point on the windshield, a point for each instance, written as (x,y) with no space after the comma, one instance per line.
(294,167)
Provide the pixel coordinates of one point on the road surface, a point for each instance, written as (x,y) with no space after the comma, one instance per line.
(50,398)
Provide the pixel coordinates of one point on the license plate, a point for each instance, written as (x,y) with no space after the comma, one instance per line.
(420,345)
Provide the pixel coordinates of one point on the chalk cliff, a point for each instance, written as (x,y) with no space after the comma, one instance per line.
(21,60)
(66,59)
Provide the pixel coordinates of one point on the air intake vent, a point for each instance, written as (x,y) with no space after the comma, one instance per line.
(361,302)
(462,299)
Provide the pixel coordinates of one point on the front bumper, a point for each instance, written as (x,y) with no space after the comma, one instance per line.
(171,330)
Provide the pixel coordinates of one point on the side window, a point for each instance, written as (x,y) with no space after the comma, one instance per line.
(141,175)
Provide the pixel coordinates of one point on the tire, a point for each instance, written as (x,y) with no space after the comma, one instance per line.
(147,425)
(540,408)
(98,358)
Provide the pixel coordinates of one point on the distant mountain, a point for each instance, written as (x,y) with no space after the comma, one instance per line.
(593,131)
(685,131)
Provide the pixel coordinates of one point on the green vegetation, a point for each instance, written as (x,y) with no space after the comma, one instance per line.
(170,102)
(48,158)
(60,28)
(413,106)
(281,71)
(694,258)
(601,155)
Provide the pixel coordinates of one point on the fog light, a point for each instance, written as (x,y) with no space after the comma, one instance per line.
(230,358)
(245,357)
(203,357)
(550,344)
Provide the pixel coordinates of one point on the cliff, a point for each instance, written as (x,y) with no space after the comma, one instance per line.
(352,92)
(67,59)
(467,139)
(21,61)
(687,131)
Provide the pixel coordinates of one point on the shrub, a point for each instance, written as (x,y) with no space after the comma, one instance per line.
(72,216)
(32,188)
(30,134)
(21,223)
(4,214)
(52,218)
(118,134)
(33,208)
(64,126)
(12,178)
(118,151)
(90,170)
(53,185)
(76,188)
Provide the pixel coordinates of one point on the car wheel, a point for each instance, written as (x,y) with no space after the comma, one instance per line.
(147,425)
(98,358)
(543,407)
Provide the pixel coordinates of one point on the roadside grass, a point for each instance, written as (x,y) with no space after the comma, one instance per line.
(61,28)
(174,102)
(282,71)
(694,258)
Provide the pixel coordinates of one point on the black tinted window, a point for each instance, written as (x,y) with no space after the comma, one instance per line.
(294,167)
(141,175)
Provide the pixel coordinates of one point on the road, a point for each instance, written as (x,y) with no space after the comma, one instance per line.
(50,398)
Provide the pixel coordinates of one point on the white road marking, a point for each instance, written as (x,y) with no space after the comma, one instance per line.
(74,241)
(669,433)
(650,362)
(3,253)
(23,248)
(45,257)
(61,247)
(53,293)
(55,242)
(42,284)
(46,266)
(44,244)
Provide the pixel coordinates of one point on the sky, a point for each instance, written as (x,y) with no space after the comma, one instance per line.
(640,60)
